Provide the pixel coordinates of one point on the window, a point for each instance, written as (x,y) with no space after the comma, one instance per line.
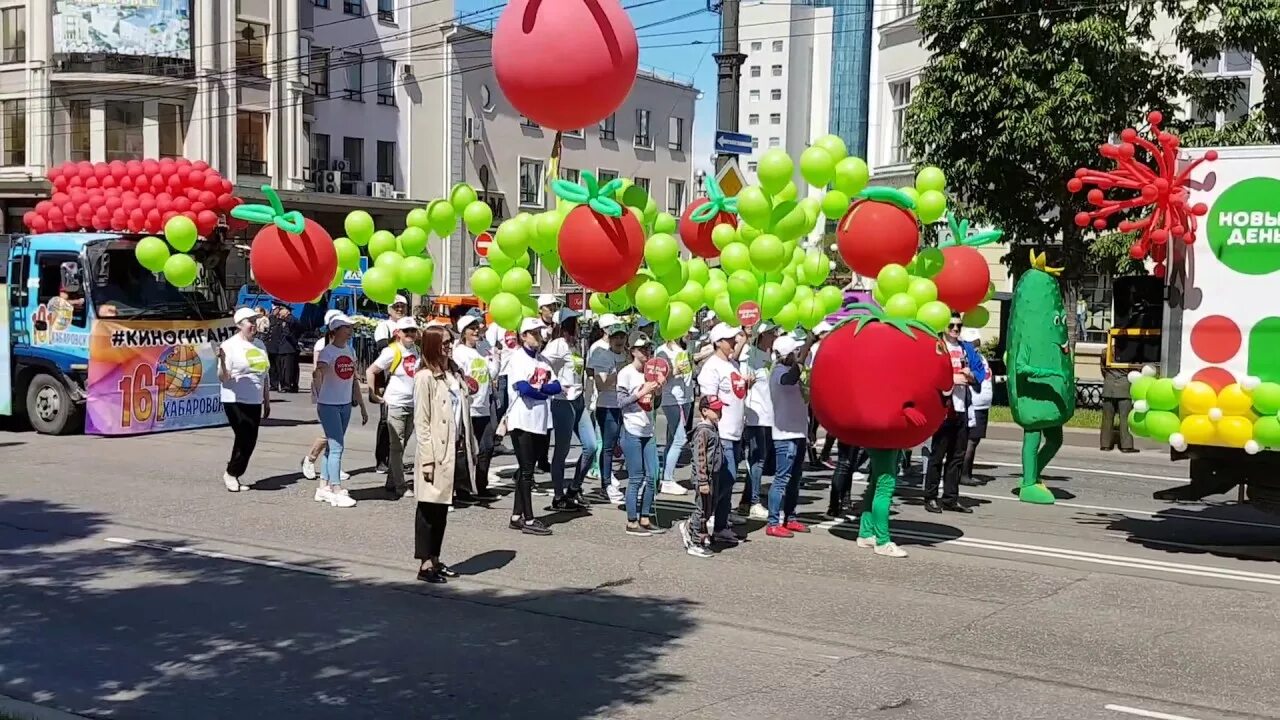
(386,162)
(775,118)
(251,48)
(643,184)
(173,129)
(608,127)
(776,71)
(675,197)
(777,46)
(1093,307)
(14,113)
(900,97)
(604,176)
(775,94)
(80,135)
(530,183)
(353,153)
(355,74)
(775,142)
(755,71)
(386,81)
(573,133)
(754,95)
(320,71)
(644,138)
(526,122)
(50,266)
(124,130)
(387,10)
(320,151)
(757,46)
(353,7)
(1229,65)
(753,119)
(320,3)
(675,134)
(755,142)
(486,98)
(751,166)
(251,143)
(904,8)
(570,174)
(13,35)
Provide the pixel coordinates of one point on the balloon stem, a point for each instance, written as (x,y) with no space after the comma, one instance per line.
(270,194)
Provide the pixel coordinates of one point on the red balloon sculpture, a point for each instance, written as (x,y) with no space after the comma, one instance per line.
(702,216)
(962,282)
(601,245)
(565,64)
(292,258)
(878,229)
(1162,187)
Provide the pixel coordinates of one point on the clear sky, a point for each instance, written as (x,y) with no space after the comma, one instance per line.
(676,36)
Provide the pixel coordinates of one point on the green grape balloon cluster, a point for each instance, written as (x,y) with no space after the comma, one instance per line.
(179,268)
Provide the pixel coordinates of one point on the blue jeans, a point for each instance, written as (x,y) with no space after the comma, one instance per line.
(678,419)
(758,440)
(334,420)
(568,418)
(638,452)
(722,484)
(610,422)
(784,493)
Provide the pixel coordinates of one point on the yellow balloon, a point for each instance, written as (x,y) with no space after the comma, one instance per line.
(1197,399)
(1234,431)
(1198,430)
(1235,401)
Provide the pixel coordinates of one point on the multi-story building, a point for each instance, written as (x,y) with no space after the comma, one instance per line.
(506,156)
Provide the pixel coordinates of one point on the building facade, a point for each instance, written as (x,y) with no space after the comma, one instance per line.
(506,156)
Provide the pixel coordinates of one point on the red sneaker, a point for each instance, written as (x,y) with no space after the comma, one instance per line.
(778,531)
(796,526)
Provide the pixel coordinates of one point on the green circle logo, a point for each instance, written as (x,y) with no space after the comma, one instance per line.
(1244,226)
(256,360)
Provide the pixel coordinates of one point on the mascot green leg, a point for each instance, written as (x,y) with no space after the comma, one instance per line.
(878,497)
(1034,459)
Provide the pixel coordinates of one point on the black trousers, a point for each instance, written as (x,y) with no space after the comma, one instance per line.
(244,419)
(529,447)
(382,443)
(946,458)
(483,429)
(428,530)
(848,457)
(284,371)
(1115,421)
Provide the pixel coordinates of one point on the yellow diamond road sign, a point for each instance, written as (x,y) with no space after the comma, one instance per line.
(730,179)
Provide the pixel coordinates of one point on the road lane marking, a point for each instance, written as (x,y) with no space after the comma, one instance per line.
(1145,713)
(1113,473)
(233,558)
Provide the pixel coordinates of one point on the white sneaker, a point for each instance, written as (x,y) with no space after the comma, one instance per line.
(496,479)
(671,487)
(344,476)
(859,476)
(408,492)
(758,512)
(867,542)
(616,496)
(232,483)
(308,468)
(339,498)
(891,549)
(322,494)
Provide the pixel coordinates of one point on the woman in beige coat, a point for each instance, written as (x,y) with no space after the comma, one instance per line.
(446,449)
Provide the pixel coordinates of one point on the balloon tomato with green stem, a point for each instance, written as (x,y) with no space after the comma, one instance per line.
(601,245)
(292,258)
(702,216)
(878,229)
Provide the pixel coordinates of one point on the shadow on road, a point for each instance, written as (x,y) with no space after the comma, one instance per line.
(110,631)
(1225,530)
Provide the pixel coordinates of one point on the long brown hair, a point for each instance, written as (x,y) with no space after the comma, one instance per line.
(433,354)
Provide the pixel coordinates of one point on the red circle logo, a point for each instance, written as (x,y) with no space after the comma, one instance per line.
(739,385)
(472,386)
(344,367)
(410,365)
(748,314)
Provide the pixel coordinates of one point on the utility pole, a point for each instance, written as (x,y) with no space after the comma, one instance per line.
(729,61)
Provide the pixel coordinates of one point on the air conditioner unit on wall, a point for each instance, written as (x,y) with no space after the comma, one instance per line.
(354,187)
(475,129)
(399,195)
(330,182)
(341,165)
(381,190)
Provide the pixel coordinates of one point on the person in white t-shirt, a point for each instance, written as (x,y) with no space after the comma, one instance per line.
(790,436)
(568,412)
(636,397)
(383,335)
(398,364)
(317,447)
(677,410)
(246,399)
(334,390)
(757,360)
(478,369)
(721,377)
(604,363)
(818,459)
(531,387)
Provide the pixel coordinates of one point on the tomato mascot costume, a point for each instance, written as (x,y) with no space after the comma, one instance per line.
(898,405)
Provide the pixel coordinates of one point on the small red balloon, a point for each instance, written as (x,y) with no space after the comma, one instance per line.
(206,222)
(697,236)
(963,280)
(873,234)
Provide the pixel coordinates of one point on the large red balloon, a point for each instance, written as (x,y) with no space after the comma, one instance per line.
(565,64)
(293,268)
(873,234)
(697,236)
(600,252)
(963,280)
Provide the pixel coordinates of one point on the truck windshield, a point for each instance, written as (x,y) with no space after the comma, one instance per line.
(120,287)
(363,305)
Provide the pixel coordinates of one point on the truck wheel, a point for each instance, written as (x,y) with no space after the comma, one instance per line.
(50,408)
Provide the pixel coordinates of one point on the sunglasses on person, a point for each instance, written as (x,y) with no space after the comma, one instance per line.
(955,326)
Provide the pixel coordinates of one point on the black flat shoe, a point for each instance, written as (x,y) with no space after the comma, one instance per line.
(487,495)
(535,527)
(432,576)
(932,506)
(957,507)
(516,525)
(446,571)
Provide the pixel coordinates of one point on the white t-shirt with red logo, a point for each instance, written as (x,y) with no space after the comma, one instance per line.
(526,413)
(722,379)
(636,416)
(399,392)
(339,371)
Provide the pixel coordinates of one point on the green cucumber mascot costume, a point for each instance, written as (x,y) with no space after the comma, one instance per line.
(1042,378)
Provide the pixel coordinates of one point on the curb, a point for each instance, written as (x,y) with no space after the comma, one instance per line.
(21,710)
(1072,437)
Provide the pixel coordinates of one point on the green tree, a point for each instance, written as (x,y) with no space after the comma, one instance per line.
(1014,100)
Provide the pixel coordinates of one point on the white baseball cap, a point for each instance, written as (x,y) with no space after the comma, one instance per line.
(400,300)
(641,340)
(609,320)
(406,323)
(531,325)
(785,345)
(339,321)
(331,314)
(723,331)
(245,313)
(566,313)
(765,327)
(822,328)
(467,321)
(545,300)
(971,335)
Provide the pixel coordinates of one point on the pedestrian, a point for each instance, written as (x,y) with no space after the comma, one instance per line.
(502,346)
(707,454)
(568,413)
(980,406)
(819,459)
(1116,405)
(335,391)
(720,377)
(757,362)
(677,410)
(477,367)
(384,335)
(246,399)
(318,446)
(261,320)
(947,448)
(391,383)
(446,451)
(528,419)
(282,349)
(604,363)
(847,458)
(636,395)
(790,433)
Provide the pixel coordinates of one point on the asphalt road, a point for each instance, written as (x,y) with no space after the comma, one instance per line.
(132,585)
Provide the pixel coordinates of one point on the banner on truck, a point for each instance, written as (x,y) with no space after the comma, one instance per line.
(154,376)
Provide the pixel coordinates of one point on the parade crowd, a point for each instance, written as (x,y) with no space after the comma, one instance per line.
(727,397)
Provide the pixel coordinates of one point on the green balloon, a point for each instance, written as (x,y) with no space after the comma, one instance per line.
(787,317)
(546,231)
(935,314)
(1266,398)
(877,294)
(499,260)
(691,294)
(666,223)
(551,261)
(724,235)
(928,262)
(512,238)
(181,233)
(893,278)
(931,206)
(152,253)
(679,321)
(652,300)
(337,280)
(834,146)
(788,193)
(774,170)
(911,193)
(522,260)
(802,294)
(413,241)
(1139,388)
(1138,423)
(415,274)
(851,176)
(650,212)
(724,310)
(662,252)
(348,253)
(772,299)
(380,284)
(674,279)
(1162,396)
(698,271)
(930,178)
(418,218)
(485,283)
(831,298)
(507,311)
(381,242)
(767,253)
(718,275)
(788,287)
(902,306)
(389,260)
(812,209)
(444,219)
(921,290)
(817,167)
(735,257)
(359,226)
(618,301)
(1161,424)
(478,217)
(461,197)
(1267,431)
(714,288)
(977,317)
(743,286)
(835,204)
(599,303)
(181,270)
(816,267)
(788,220)
(517,281)
(817,313)
(633,285)
(754,206)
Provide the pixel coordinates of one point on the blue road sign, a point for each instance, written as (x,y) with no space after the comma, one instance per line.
(732,143)
(351,278)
